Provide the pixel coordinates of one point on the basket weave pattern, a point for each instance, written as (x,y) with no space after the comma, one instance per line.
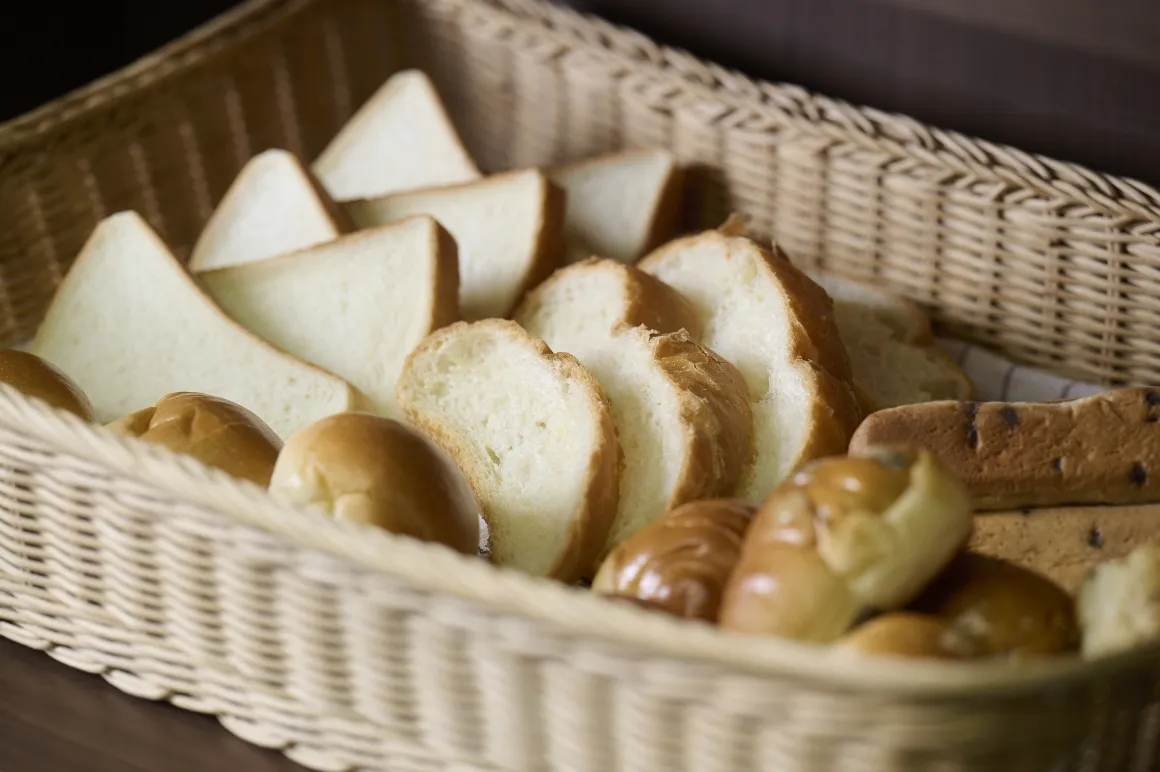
(354,650)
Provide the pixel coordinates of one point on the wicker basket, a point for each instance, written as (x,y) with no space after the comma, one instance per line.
(355,650)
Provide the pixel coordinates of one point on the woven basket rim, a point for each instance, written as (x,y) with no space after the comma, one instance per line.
(569,611)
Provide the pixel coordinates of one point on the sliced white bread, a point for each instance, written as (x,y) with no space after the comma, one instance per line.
(620,205)
(401,139)
(681,412)
(508,228)
(356,306)
(129,325)
(894,357)
(274,206)
(532,430)
(767,318)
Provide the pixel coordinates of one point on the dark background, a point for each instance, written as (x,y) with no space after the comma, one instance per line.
(1073,79)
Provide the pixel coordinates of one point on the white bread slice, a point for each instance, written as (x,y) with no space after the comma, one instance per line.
(620,205)
(892,350)
(356,306)
(129,325)
(274,206)
(777,327)
(508,228)
(681,412)
(401,139)
(533,431)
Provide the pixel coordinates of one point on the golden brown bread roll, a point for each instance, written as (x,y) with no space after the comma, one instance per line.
(1005,609)
(906,634)
(845,536)
(215,431)
(360,467)
(1008,609)
(35,377)
(680,561)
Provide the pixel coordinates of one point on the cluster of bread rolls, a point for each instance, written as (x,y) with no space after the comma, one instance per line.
(534,361)
(864,553)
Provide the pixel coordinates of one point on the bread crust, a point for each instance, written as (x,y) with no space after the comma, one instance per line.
(593,515)
(1103,449)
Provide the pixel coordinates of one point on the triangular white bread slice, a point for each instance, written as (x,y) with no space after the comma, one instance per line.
(766,317)
(892,350)
(681,412)
(129,325)
(356,306)
(274,206)
(620,205)
(532,430)
(401,139)
(508,228)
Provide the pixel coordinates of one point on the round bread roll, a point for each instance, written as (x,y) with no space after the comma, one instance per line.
(35,377)
(680,561)
(1006,609)
(215,431)
(360,467)
(842,537)
(908,635)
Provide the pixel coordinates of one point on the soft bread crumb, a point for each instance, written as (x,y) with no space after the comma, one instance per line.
(1119,603)
(532,430)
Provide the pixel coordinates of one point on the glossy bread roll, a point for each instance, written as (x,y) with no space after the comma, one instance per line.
(35,377)
(215,431)
(908,635)
(846,536)
(360,467)
(680,561)
(1004,609)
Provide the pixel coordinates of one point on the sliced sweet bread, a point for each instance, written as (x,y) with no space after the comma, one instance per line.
(356,306)
(681,412)
(129,325)
(401,139)
(892,350)
(508,228)
(777,327)
(620,205)
(274,206)
(533,432)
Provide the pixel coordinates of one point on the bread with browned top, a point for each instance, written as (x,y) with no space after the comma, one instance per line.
(1103,449)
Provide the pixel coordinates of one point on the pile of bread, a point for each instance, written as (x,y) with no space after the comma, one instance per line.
(691,423)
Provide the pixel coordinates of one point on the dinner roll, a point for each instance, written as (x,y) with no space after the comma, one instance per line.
(360,467)
(1004,608)
(842,537)
(680,561)
(215,431)
(1119,603)
(35,377)
(908,635)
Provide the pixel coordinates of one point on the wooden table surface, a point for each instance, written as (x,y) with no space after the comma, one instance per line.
(56,719)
